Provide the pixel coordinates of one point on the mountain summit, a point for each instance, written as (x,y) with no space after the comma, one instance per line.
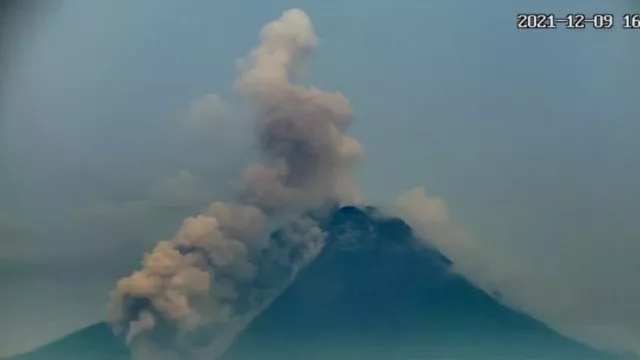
(372,293)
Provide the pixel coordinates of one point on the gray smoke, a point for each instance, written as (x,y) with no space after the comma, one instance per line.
(431,221)
(197,290)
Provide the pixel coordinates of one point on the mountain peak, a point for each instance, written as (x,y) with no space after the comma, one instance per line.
(363,230)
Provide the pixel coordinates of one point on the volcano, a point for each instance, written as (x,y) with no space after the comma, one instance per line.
(372,293)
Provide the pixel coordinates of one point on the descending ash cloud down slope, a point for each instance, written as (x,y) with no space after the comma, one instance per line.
(198,290)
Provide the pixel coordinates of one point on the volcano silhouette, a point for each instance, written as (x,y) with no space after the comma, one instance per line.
(372,293)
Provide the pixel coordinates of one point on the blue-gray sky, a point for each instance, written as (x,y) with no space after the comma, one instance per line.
(529,136)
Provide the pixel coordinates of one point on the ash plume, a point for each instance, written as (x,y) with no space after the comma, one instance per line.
(197,290)
(299,129)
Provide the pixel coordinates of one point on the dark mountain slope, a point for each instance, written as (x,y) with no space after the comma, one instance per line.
(96,342)
(372,295)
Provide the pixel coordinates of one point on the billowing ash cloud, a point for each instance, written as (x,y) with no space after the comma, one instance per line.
(299,128)
(192,279)
(196,290)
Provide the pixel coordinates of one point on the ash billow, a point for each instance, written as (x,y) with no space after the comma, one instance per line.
(196,291)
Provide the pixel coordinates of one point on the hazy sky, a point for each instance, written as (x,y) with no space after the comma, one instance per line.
(531,138)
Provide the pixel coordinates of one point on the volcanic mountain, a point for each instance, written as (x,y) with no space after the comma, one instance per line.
(372,293)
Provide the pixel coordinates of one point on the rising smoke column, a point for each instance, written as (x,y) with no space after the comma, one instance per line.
(300,129)
(199,288)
